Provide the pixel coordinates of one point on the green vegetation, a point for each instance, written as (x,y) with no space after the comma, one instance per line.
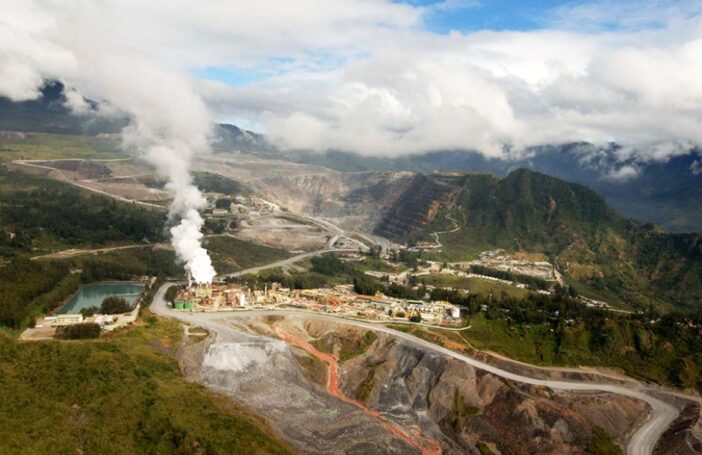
(45,146)
(348,346)
(559,330)
(292,280)
(230,254)
(349,351)
(475,285)
(114,305)
(330,264)
(315,368)
(532,282)
(372,263)
(325,270)
(215,225)
(665,349)
(78,331)
(588,241)
(460,413)
(215,183)
(39,215)
(602,444)
(30,288)
(126,264)
(366,387)
(23,284)
(484,449)
(120,394)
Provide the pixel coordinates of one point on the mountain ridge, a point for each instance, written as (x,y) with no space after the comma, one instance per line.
(593,245)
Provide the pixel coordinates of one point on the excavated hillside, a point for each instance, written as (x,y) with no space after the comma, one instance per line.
(353,200)
(418,205)
(439,400)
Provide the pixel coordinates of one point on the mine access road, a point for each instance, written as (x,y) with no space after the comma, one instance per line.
(642,442)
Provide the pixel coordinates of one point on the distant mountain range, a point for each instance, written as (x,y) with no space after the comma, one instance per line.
(667,193)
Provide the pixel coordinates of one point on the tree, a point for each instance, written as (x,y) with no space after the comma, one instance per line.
(114,304)
(89,311)
(415,317)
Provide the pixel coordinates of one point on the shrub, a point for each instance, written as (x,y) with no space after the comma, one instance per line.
(114,304)
(89,311)
(78,331)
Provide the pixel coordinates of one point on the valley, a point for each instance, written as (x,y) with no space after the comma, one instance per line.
(414,236)
(353,227)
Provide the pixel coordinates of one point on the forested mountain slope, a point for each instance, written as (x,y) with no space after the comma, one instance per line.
(592,245)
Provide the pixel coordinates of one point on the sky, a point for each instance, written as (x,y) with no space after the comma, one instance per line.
(382,77)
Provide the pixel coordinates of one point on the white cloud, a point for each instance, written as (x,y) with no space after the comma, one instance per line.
(696,167)
(366,76)
(623,173)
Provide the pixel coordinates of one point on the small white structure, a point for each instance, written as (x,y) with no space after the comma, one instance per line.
(104,319)
(65,319)
(241,299)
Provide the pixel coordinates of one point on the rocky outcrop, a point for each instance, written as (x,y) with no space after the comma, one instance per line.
(684,437)
(267,377)
(461,407)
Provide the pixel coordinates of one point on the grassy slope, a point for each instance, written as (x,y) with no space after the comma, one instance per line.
(45,146)
(475,285)
(230,254)
(123,393)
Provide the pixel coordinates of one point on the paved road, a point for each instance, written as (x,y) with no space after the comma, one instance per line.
(641,443)
(284,262)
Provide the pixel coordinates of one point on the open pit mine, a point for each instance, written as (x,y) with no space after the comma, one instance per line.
(329,385)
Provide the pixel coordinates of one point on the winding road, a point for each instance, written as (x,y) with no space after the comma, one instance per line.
(642,442)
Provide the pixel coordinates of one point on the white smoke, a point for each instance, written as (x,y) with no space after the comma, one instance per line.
(169,122)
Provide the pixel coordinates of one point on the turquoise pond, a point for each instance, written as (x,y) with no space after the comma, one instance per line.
(93,294)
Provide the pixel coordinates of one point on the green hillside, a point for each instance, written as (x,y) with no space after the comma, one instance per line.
(121,394)
(601,252)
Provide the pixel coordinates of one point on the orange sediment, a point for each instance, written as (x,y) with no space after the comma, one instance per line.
(427,446)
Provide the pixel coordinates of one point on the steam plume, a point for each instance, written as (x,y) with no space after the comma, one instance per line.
(169,121)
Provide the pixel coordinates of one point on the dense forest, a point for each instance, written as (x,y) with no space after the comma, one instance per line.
(29,288)
(37,213)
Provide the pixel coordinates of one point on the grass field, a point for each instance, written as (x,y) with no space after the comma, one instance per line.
(475,285)
(230,254)
(533,345)
(45,146)
(121,394)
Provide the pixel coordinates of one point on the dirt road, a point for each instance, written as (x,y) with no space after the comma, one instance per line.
(642,441)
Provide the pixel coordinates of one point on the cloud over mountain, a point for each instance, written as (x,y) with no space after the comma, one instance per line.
(373,77)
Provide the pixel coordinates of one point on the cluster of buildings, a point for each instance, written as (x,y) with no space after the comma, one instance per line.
(340,300)
(243,205)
